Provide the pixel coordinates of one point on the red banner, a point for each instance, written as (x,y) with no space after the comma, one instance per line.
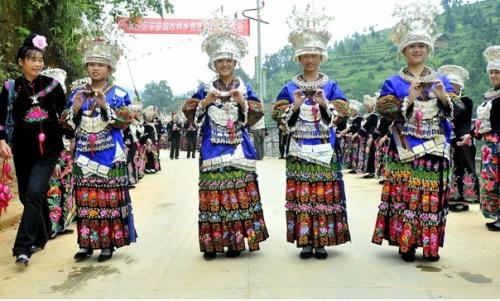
(173,26)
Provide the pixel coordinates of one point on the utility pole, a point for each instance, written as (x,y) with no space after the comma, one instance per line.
(258,63)
(259,57)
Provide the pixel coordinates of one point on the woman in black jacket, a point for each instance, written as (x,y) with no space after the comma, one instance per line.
(36,144)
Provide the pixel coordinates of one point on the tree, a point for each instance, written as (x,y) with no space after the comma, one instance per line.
(449,22)
(157,94)
(457,3)
(445,4)
(62,22)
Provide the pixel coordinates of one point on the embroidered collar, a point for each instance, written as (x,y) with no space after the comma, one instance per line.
(492,94)
(304,85)
(428,75)
(220,85)
(213,85)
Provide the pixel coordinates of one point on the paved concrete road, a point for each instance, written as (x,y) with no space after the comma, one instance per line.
(166,262)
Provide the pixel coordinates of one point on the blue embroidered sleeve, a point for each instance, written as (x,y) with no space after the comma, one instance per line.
(250,94)
(336,93)
(387,89)
(200,94)
(447,84)
(284,94)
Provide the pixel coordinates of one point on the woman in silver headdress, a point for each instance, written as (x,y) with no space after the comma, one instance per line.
(414,203)
(316,214)
(230,206)
(98,111)
(487,128)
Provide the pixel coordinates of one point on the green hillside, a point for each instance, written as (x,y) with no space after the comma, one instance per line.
(360,63)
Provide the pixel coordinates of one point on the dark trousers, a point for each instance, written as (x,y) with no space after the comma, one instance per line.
(258,141)
(33,184)
(191,144)
(284,144)
(174,146)
(370,165)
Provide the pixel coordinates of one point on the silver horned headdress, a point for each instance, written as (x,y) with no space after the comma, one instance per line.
(455,74)
(99,50)
(492,56)
(222,40)
(309,33)
(416,25)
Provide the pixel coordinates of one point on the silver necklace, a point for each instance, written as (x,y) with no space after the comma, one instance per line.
(418,79)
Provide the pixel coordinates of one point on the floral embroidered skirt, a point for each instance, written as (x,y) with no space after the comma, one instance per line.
(354,153)
(132,158)
(104,210)
(464,184)
(60,197)
(380,158)
(414,204)
(350,151)
(230,210)
(140,160)
(316,207)
(490,186)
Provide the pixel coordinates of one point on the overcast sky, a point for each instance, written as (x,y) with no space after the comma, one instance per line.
(178,59)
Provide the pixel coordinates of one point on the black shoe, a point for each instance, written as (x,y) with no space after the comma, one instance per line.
(104,257)
(408,256)
(381,181)
(459,207)
(432,258)
(369,176)
(22,260)
(209,255)
(233,254)
(494,226)
(321,254)
(306,252)
(35,249)
(66,231)
(352,171)
(80,256)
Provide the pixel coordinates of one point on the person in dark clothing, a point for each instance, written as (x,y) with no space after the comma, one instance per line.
(366,131)
(37,101)
(150,141)
(174,128)
(160,130)
(354,145)
(381,138)
(284,142)
(464,182)
(191,137)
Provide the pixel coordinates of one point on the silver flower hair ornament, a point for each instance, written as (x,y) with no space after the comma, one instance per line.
(222,40)
(309,32)
(416,25)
